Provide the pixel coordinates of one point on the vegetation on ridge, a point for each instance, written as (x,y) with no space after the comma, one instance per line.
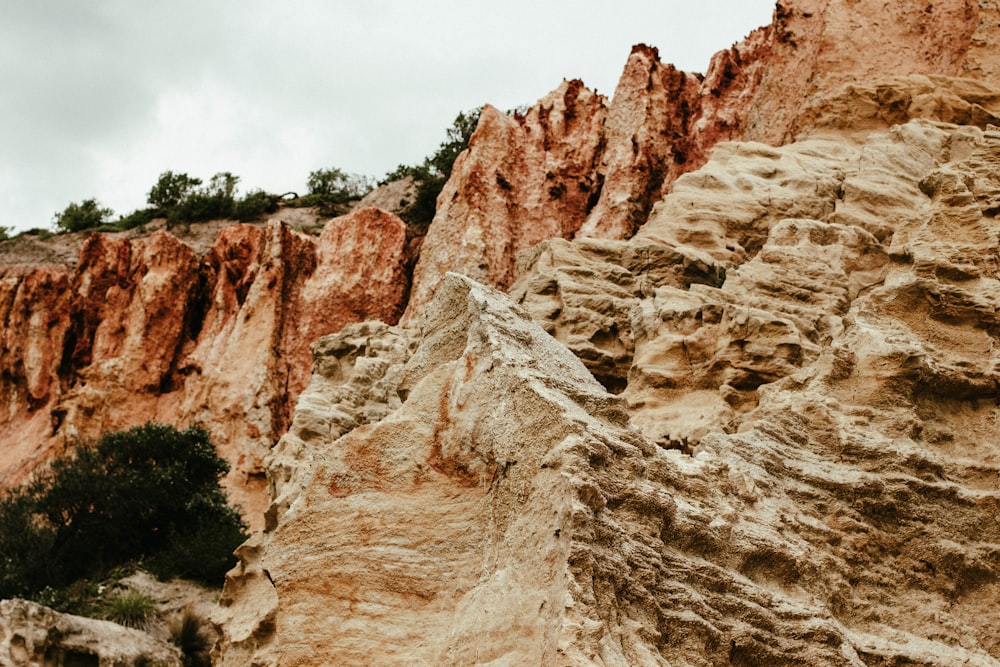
(431,175)
(183,199)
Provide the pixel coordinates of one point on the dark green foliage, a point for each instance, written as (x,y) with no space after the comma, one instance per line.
(151,492)
(431,176)
(179,198)
(254,205)
(188,633)
(4,232)
(132,220)
(212,202)
(42,234)
(171,189)
(201,206)
(88,214)
(457,141)
(24,539)
(332,190)
(338,185)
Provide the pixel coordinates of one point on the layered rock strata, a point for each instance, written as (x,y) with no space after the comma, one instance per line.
(799,468)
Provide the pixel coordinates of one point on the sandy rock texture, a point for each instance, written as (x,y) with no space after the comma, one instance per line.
(35,636)
(147,329)
(799,467)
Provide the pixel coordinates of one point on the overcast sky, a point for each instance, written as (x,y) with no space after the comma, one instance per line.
(98,97)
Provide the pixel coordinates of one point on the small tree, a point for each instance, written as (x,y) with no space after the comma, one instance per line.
(223,185)
(338,185)
(150,493)
(85,215)
(171,189)
(213,201)
(457,140)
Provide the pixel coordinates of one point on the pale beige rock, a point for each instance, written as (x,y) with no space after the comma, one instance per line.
(394,196)
(507,513)
(35,636)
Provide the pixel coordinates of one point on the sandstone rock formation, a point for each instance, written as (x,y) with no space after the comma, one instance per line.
(35,636)
(522,180)
(811,69)
(798,469)
(146,329)
(738,407)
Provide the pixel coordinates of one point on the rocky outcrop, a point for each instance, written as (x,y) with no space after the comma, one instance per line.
(738,407)
(809,71)
(522,180)
(147,330)
(32,636)
(797,470)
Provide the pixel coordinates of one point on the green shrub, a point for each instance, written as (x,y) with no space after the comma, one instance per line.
(151,492)
(254,205)
(88,214)
(181,201)
(201,206)
(431,176)
(171,189)
(4,232)
(129,608)
(136,219)
(338,185)
(42,234)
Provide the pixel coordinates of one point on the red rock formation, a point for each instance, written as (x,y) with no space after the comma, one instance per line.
(144,329)
(662,123)
(523,179)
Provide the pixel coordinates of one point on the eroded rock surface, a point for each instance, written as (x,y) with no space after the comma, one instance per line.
(35,636)
(799,468)
(522,180)
(810,71)
(146,329)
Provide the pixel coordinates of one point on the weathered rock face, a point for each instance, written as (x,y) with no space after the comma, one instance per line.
(760,430)
(524,179)
(146,329)
(799,468)
(811,70)
(34,636)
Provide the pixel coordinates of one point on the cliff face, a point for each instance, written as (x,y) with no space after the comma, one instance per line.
(813,68)
(788,454)
(146,329)
(799,467)
(737,405)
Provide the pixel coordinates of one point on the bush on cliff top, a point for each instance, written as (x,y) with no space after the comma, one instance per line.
(433,173)
(150,494)
(88,214)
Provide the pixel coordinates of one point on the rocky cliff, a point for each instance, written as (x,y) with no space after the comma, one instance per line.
(147,329)
(736,402)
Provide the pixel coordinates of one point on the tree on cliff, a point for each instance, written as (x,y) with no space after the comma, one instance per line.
(85,215)
(170,189)
(433,173)
(150,493)
(338,184)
